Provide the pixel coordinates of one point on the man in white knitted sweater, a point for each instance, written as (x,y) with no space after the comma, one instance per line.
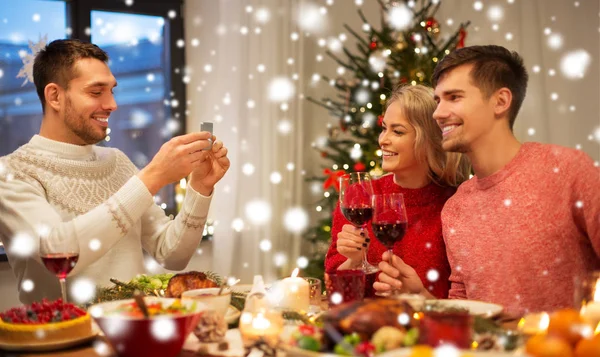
(61,185)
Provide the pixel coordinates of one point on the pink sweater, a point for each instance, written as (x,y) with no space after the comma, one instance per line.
(519,237)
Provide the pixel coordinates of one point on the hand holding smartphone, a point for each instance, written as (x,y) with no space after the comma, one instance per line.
(207,126)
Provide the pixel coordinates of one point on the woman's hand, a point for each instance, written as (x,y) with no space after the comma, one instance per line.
(351,243)
(399,276)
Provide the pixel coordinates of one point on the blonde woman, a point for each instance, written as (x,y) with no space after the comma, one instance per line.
(417,167)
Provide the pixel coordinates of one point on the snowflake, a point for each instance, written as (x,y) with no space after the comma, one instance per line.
(403,318)
(27,70)
(83,290)
(237,224)
(336,298)
(27,285)
(23,245)
(446,351)
(296,220)
(265,245)
(95,244)
(302,262)
(101,348)
(433,275)
(163,329)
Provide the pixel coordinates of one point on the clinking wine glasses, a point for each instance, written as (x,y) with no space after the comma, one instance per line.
(60,254)
(356,193)
(389,221)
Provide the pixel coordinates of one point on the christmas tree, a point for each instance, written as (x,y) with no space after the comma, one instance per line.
(405,49)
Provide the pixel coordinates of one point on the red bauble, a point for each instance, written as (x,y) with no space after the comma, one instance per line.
(380,120)
(373,45)
(431,23)
(359,166)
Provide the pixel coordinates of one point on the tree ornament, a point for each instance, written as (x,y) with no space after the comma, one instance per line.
(333,132)
(359,166)
(380,120)
(332,179)
(376,171)
(401,43)
(433,26)
(373,45)
(462,35)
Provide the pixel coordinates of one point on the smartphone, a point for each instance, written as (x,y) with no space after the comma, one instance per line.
(207,126)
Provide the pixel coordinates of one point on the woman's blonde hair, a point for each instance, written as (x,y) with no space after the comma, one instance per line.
(418,105)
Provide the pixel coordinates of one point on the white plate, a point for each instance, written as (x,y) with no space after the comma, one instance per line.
(232,314)
(48,346)
(476,308)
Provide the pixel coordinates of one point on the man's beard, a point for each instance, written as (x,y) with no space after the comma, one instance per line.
(456,145)
(81,126)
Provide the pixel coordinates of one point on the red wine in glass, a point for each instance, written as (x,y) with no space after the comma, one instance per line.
(59,255)
(358,216)
(60,264)
(389,221)
(356,193)
(389,233)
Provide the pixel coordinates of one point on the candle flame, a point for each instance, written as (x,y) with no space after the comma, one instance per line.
(597,332)
(544,321)
(521,323)
(597,291)
(295,273)
(260,322)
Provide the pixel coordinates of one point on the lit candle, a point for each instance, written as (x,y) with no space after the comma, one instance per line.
(265,325)
(295,293)
(534,324)
(591,310)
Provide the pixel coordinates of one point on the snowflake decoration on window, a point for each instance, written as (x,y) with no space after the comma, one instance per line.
(27,70)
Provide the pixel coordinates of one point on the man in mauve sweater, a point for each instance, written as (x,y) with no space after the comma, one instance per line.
(528,223)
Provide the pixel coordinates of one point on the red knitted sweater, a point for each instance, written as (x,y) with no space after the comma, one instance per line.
(521,236)
(422,247)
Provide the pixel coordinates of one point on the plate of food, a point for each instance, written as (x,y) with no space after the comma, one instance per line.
(391,327)
(475,308)
(45,326)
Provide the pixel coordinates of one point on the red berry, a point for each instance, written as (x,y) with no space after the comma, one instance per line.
(366,349)
(307,330)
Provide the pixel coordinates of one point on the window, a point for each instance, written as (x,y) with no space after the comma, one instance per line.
(141,41)
(20,108)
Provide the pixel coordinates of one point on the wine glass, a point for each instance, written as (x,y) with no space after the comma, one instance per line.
(356,191)
(389,220)
(60,256)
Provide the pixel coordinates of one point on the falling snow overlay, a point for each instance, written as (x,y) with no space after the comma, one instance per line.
(256,72)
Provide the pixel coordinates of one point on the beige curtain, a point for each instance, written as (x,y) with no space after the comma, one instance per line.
(234,95)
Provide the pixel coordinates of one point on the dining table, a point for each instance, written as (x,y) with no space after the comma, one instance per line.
(99,347)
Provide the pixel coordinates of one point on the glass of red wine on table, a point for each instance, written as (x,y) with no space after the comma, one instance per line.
(356,193)
(389,220)
(60,255)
